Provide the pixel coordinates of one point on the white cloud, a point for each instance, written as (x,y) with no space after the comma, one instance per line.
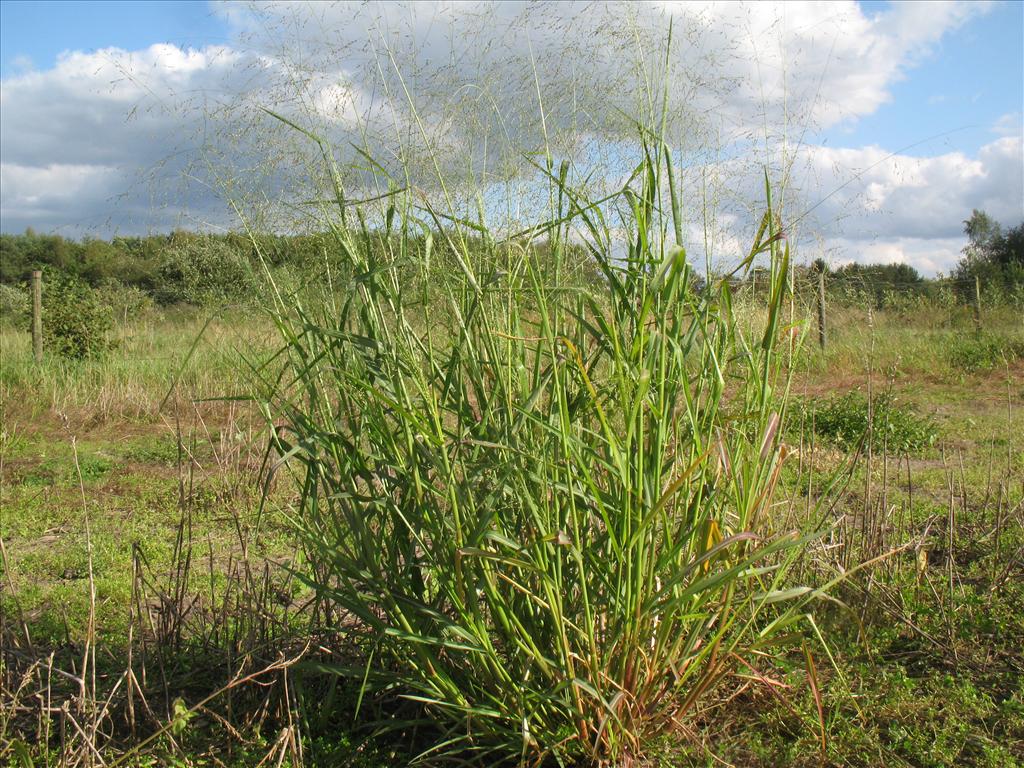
(32,192)
(737,69)
(927,255)
(925,197)
(1010,124)
(882,207)
(79,137)
(113,107)
(864,204)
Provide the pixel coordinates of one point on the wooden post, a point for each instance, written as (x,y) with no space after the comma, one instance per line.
(821,309)
(37,315)
(977,304)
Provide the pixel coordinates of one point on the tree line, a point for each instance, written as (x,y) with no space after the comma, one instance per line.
(180,267)
(200,269)
(992,260)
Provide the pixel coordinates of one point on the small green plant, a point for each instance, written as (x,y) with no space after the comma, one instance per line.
(846,419)
(12,440)
(76,320)
(156,450)
(93,467)
(983,352)
(182,715)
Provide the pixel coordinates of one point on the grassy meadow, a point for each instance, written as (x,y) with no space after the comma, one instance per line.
(154,611)
(527,489)
(483,419)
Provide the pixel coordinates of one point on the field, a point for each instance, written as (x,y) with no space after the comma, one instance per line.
(149,615)
(509,384)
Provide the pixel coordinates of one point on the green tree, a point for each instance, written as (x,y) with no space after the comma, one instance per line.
(994,257)
(198,269)
(981,228)
(879,284)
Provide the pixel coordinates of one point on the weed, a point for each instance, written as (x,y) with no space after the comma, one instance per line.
(162,450)
(847,419)
(983,352)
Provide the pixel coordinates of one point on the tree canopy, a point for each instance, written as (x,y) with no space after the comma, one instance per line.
(993,256)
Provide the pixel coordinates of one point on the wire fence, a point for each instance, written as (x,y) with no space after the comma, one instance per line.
(817,293)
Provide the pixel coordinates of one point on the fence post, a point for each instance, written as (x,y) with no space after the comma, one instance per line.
(37,315)
(977,304)
(821,308)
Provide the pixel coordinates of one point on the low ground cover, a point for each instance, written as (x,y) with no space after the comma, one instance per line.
(927,655)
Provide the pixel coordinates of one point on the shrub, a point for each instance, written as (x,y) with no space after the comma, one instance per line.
(124,301)
(201,270)
(15,304)
(75,318)
(845,419)
(984,351)
(544,520)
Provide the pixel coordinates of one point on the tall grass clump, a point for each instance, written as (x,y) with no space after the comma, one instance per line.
(540,509)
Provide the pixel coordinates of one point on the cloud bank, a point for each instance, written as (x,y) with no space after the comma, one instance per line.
(115,141)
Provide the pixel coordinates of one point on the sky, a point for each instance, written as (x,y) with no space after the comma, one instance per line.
(898,119)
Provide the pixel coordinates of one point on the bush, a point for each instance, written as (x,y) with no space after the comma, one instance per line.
(845,420)
(201,270)
(125,301)
(15,303)
(983,352)
(993,257)
(76,320)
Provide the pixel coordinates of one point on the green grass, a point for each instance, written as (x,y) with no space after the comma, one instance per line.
(985,351)
(130,508)
(525,516)
(925,673)
(931,343)
(936,678)
(188,353)
(917,702)
(548,511)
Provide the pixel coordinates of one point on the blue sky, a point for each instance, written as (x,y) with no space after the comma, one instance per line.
(970,79)
(37,31)
(939,86)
